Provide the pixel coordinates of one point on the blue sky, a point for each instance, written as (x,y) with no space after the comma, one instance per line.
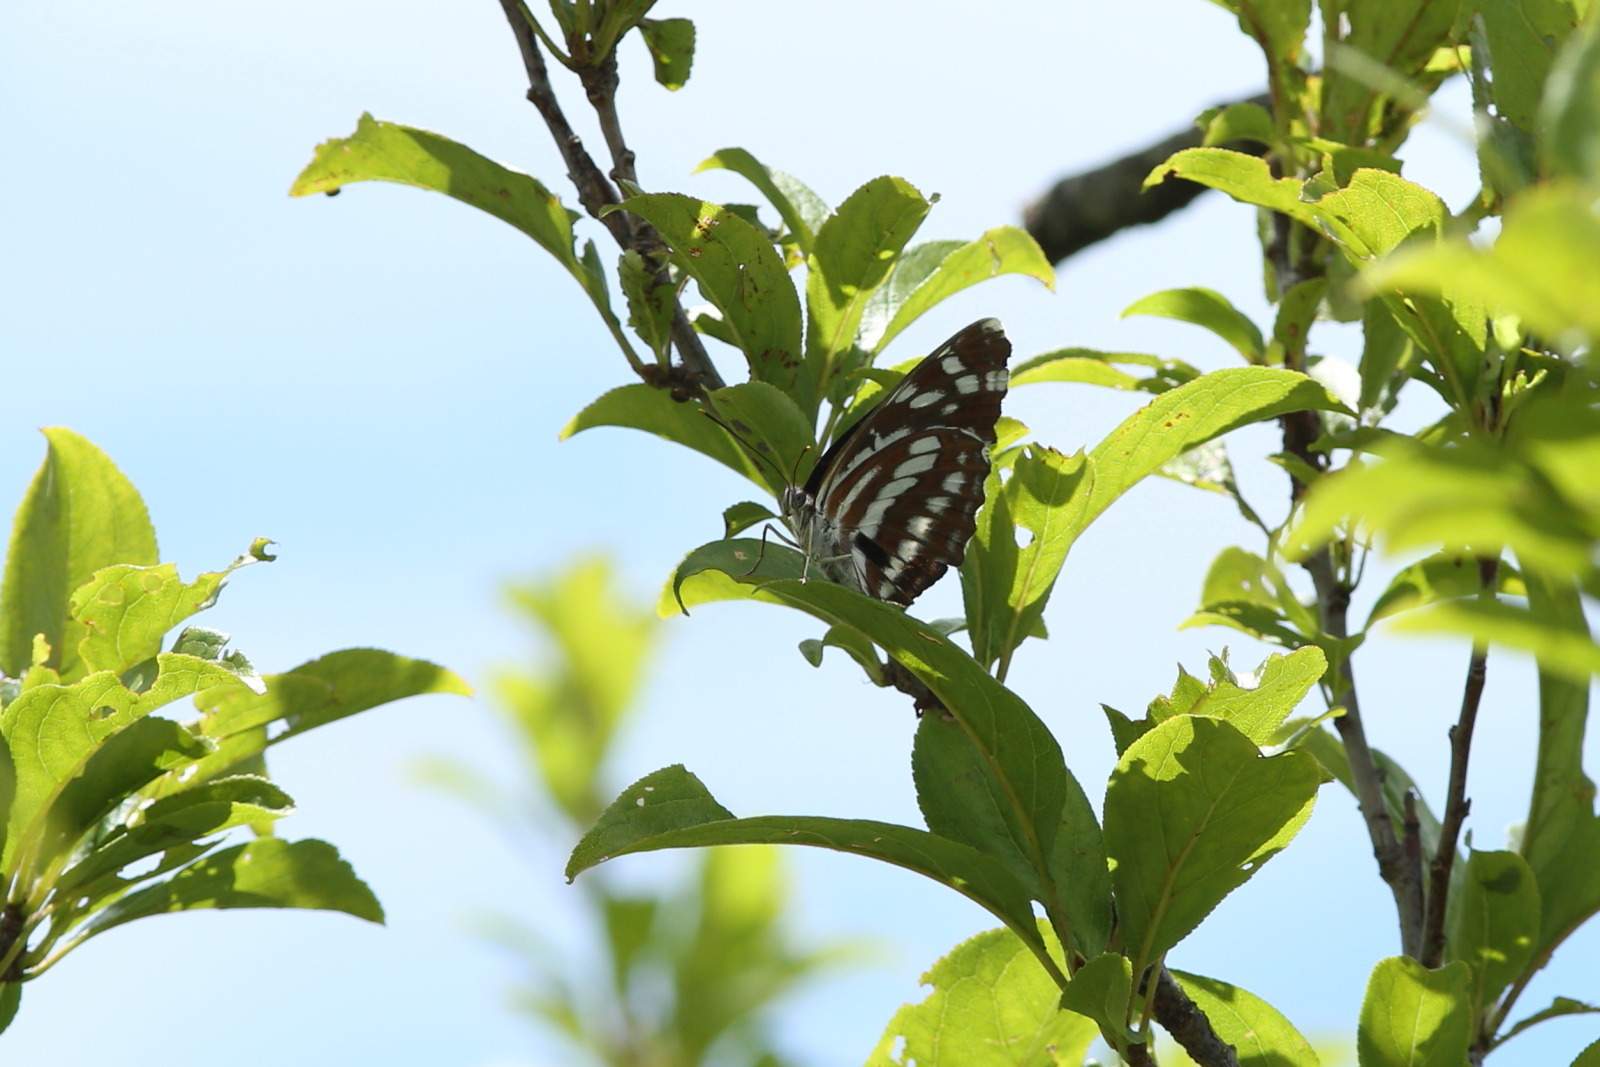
(377,381)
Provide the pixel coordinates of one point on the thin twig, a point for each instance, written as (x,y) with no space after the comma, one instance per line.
(1456,803)
(597,193)
(1301,430)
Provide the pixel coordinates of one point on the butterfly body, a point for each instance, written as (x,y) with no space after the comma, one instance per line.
(893,502)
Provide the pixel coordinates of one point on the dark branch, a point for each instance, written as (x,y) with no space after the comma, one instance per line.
(1089,207)
(596,192)
(1189,1026)
(1456,803)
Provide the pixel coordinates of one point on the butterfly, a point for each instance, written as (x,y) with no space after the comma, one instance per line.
(894,500)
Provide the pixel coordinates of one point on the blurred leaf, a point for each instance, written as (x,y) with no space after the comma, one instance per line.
(1191,812)
(1260,1035)
(1570,111)
(80,514)
(1237,122)
(991,1005)
(1206,308)
(1414,1017)
(1244,177)
(671,43)
(1561,838)
(566,717)
(1399,36)
(854,644)
(741,275)
(1544,267)
(1469,498)
(1522,38)
(1441,576)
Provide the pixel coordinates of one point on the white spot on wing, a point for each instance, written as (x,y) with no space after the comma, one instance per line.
(922,400)
(914,465)
(923,444)
(966,385)
(952,365)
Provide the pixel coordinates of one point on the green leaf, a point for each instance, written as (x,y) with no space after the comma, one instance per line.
(1494,920)
(1093,367)
(640,407)
(1400,36)
(1522,38)
(1559,1007)
(740,274)
(80,514)
(1245,177)
(1414,1017)
(650,305)
(1207,308)
(769,423)
(738,518)
(326,690)
(1005,587)
(1589,1057)
(854,644)
(1016,746)
(670,808)
(127,761)
(854,252)
(128,610)
(671,43)
(10,1001)
(1259,1034)
(54,732)
(1377,211)
(992,1005)
(961,798)
(1208,407)
(1441,576)
(929,273)
(1544,267)
(179,819)
(1257,711)
(268,872)
(802,210)
(1561,838)
(1102,989)
(1192,811)
(1470,498)
(389,152)
(1570,111)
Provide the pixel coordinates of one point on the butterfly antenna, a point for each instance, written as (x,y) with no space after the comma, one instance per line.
(740,438)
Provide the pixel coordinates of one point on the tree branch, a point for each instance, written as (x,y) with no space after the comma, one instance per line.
(1189,1026)
(596,192)
(1456,803)
(1089,207)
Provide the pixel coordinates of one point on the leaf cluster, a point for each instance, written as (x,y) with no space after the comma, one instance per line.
(110,812)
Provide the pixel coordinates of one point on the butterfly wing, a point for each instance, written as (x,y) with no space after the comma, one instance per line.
(897,496)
